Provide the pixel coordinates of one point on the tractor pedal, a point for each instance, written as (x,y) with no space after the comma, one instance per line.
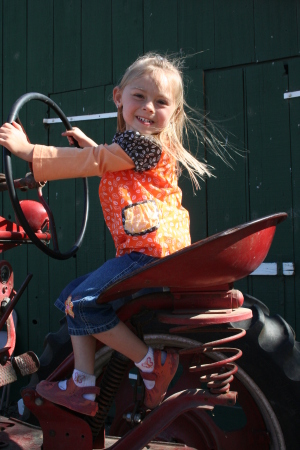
(26,364)
(7,374)
(21,365)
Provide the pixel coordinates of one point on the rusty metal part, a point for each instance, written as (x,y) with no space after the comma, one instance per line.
(24,184)
(21,365)
(167,412)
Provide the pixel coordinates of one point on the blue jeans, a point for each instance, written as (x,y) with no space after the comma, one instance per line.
(79,299)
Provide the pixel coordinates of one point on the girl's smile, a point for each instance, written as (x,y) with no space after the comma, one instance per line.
(148,103)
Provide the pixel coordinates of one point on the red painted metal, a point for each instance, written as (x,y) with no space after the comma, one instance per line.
(169,410)
(35,214)
(62,430)
(11,334)
(6,280)
(12,235)
(207,265)
(205,317)
(197,428)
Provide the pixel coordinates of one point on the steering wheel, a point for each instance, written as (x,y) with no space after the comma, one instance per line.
(55,252)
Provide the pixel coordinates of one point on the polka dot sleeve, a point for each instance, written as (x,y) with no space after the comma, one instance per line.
(144,151)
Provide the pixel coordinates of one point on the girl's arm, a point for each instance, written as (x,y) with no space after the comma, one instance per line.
(82,139)
(13,138)
(52,163)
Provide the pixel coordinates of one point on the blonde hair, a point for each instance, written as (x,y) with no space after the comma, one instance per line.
(184,120)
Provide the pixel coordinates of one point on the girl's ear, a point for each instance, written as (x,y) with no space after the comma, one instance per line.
(117,96)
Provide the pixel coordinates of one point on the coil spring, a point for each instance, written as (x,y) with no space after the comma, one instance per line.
(218,375)
(109,385)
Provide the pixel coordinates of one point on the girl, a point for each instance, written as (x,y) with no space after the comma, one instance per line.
(141,202)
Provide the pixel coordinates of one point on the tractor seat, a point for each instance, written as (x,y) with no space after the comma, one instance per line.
(214,263)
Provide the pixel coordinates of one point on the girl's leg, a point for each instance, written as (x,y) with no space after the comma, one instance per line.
(123,340)
(84,353)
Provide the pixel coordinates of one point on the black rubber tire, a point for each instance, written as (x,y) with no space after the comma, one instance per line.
(271,357)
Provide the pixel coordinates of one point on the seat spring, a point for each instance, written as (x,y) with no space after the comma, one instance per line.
(109,386)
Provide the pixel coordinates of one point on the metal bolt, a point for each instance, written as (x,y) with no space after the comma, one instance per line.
(38,401)
(137,418)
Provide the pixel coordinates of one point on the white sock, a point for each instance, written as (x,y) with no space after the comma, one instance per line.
(81,379)
(147,365)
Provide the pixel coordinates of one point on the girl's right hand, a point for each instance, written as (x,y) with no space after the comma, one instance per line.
(13,138)
(82,139)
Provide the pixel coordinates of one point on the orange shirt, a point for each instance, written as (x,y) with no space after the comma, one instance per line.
(143,209)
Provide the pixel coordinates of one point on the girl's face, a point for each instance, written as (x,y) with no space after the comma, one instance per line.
(148,102)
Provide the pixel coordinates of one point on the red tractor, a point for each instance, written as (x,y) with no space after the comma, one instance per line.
(185,301)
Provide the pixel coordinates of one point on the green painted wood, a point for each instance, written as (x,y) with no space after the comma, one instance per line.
(234,32)
(195,200)
(67,45)
(276,31)
(196,32)
(96,43)
(160,26)
(269,167)
(226,197)
(127,35)
(110,130)
(39,79)
(14,82)
(92,252)
(39,74)
(294,108)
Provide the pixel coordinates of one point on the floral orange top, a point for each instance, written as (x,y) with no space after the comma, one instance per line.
(139,193)
(142,206)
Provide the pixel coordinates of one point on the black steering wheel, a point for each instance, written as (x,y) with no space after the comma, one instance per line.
(55,252)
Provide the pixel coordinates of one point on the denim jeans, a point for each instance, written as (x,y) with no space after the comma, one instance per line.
(79,298)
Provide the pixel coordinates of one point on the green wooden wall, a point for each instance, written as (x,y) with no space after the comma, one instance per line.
(245,57)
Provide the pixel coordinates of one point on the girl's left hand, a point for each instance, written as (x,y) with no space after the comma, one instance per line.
(13,138)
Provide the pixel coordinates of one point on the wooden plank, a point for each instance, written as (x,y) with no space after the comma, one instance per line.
(39,79)
(96,43)
(127,35)
(234,32)
(160,26)
(67,45)
(110,130)
(275,24)
(227,206)
(92,252)
(40,47)
(293,298)
(196,33)
(195,201)
(270,167)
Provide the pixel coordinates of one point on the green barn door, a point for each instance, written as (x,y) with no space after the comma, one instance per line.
(248,102)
